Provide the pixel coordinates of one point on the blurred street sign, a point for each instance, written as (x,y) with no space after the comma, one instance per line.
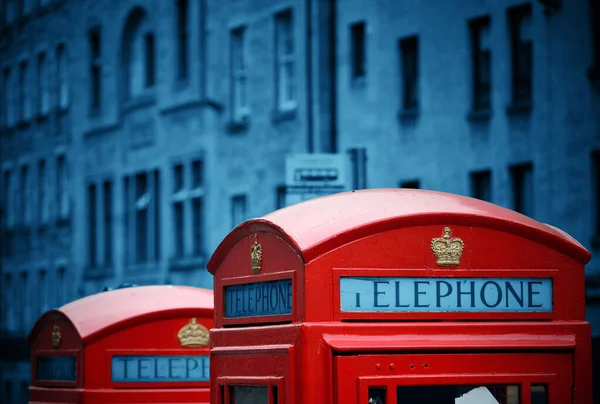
(309,176)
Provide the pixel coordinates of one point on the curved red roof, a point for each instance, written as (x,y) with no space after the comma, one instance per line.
(319,225)
(93,315)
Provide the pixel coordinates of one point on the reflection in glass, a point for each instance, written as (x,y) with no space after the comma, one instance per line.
(458,394)
(376,395)
(249,395)
(539,394)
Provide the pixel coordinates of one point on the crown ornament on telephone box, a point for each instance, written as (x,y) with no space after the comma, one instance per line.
(447,249)
(255,256)
(193,335)
(56,337)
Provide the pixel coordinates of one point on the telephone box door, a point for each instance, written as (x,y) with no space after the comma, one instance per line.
(454,378)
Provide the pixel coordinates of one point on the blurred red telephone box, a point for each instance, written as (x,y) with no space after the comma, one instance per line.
(147,344)
(399,296)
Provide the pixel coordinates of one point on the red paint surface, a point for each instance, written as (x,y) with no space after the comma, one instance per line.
(319,354)
(133,321)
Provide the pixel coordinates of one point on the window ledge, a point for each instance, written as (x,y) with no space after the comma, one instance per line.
(137,102)
(519,108)
(358,82)
(23,124)
(236,126)
(42,117)
(282,115)
(480,114)
(409,114)
(63,222)
(97,273)
(187,263)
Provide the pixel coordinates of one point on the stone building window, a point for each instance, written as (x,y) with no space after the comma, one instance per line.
(62,77)
(138,54)
(481,185)
(24,93)
(286,72)
(410,184)
(42,198)
(481,62)
(62,195)
(43,85)
(238,209)
(100,224)
(8,98)
(409,56)
(522,188)
(596,187)
(358,50)
(24,297)
(61,287)
(107,217)
(280,195)
(521,45)
(43,292)
(239,75)
(188,207)
(92,215)
(95,49)
(182,39)
(8,203)
(24,200)
(594,71)
(142,217)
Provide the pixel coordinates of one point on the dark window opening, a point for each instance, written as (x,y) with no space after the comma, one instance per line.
(358,50)
(92,218)
(95,68)
(521,53)
(141,217)
(481,60)
(412,184)
(108,233)
(150,68)
(182,39)
(409,51)
(522,183)
(595,22)
(481,185)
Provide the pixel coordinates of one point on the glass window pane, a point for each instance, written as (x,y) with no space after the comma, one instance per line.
(249,395)
(377,395)
(539,394)
(457,394)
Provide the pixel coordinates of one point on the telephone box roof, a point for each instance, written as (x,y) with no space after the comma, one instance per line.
(95,315)
(322,224)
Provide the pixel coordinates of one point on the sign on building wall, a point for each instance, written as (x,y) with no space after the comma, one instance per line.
(309,176)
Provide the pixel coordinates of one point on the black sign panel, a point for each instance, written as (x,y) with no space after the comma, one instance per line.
(56,368)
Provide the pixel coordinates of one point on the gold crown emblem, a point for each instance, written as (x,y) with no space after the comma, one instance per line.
(255,256)
(56,337)
(447,250)
(193,335)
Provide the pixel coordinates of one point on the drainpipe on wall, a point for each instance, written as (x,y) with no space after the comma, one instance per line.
(309,78)
(333,73)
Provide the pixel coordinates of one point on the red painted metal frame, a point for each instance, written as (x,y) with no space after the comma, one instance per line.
(275,276)
(423,273)
(552,370)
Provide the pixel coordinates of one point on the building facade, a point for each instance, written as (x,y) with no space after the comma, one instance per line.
(136,134)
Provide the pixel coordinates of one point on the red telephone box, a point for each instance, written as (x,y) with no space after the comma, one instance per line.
(144,344)
(399,296)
